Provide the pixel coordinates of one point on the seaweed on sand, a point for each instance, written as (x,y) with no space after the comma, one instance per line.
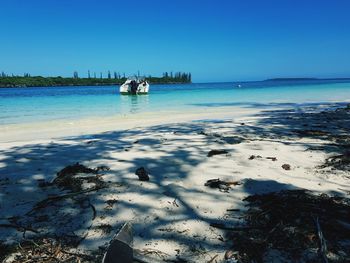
(53,225)
(312,133)
(221,185)
(47,250)
(67,178)
(340,162)
(287,221)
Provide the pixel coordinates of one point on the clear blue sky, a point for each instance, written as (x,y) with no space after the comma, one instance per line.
(215,40)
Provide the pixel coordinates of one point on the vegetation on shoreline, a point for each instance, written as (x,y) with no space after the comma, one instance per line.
(26,80)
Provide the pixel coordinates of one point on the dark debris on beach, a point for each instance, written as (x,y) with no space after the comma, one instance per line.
(68,177)
(223,186)
(332,128)
(340,162)
(48,250)
(216,152)
(302,226)
(59,245)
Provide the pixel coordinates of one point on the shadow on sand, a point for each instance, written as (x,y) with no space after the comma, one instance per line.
(160,208)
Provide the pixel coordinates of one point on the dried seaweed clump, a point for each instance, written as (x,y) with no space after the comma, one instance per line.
(291,222)
(48,250)
(68,177)
(340,162)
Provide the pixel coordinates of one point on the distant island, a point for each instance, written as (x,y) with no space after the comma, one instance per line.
(12,81)
(303,79)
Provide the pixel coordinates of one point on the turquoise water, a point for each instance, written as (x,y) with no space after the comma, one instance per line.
(20,105)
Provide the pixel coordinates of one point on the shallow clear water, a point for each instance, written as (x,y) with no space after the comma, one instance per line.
(19,105)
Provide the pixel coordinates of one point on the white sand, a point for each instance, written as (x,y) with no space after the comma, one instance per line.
(170,213)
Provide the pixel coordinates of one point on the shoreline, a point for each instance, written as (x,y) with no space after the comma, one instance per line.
(51,129)
(75,127)
(262,150)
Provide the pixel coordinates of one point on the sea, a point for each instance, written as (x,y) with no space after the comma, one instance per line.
(40,104)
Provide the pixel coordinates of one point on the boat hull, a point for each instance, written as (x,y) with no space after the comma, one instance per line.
(129,93)
(126,88)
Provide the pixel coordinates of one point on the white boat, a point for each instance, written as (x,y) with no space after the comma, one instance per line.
(134,86)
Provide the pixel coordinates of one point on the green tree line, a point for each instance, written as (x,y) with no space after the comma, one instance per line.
(92,79)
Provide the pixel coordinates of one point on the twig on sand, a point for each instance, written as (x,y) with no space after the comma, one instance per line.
(223,226)
(30,241)
(143,256)
(323,245)
(49,250)
(93,210)
(154,251)
(73,254)
(212,259)
(233,210)
(50,199)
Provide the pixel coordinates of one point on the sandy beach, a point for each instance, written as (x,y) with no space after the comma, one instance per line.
(255,151)
(174,131)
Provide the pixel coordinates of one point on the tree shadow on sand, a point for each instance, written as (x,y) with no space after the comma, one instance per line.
(173,207)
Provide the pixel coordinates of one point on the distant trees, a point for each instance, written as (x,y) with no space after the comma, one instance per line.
(177,77)
(116,75)
(26,80)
